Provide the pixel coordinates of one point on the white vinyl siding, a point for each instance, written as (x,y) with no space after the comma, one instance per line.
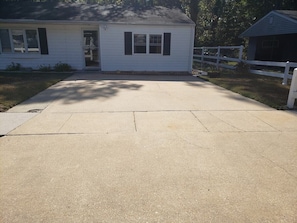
(113,49)
(64,45)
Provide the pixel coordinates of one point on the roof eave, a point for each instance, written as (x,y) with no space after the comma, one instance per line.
(279,12)
(151,24)
(67,22)
(243,35)
(33,21)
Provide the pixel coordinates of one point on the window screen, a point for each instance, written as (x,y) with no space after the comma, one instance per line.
(18,41)
(155,44)
(32,41)
(139,43)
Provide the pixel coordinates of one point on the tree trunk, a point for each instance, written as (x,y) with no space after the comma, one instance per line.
(194,10)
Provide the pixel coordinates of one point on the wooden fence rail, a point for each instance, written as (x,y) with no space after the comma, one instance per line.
(215,56)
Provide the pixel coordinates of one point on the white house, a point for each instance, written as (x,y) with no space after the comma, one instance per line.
(107,38)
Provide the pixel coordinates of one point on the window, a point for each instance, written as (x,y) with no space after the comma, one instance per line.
(19,41)
(139,43)
(155,44)
(25,41)
(32,41)
(147,43)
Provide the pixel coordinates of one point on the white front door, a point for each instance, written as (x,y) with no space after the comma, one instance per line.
(91,48)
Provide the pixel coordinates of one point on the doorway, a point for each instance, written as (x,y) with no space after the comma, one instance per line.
(91,49)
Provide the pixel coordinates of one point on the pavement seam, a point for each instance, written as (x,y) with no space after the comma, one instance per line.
(191,143)
(277,165)
(108,133)
(274,163)
(59,130)
(51,134)
(58,134)
(240,130)
(135,125)
(181,110)
(278,130)
(199,121)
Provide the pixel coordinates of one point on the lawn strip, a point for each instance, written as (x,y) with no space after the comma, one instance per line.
(267,90)
(18,87)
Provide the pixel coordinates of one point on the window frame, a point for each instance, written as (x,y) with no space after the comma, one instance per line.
(139,44)
(25,40)
(129,43)
(148,44)
(159,44)
(37,42)
(22,49)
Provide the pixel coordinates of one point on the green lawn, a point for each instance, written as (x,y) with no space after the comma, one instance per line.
(267,90)
(17,87)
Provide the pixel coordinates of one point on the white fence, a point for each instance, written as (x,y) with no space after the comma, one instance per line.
(293,91)
(221,56)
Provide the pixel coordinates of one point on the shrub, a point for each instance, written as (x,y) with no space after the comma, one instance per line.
(45,68)
(62,67)
(13,67)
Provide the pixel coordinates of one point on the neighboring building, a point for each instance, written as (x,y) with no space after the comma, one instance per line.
(89,36)
(274,37)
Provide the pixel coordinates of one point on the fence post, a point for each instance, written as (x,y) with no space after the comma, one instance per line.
(202,55)
(286,73)
(218,57)
(293,90)
(240,52)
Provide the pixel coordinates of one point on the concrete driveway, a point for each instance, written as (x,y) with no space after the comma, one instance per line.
(110,148)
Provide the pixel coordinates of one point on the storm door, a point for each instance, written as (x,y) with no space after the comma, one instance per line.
(91,49)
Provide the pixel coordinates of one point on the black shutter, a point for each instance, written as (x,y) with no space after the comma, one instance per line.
(167,44)
(128,43)
(43,41)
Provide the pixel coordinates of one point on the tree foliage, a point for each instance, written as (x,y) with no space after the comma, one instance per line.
(218,22)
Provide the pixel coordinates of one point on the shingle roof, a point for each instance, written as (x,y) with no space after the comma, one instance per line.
(75,12)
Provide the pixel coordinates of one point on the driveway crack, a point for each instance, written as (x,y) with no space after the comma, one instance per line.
(64,123)
(199,121)
(135,125)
